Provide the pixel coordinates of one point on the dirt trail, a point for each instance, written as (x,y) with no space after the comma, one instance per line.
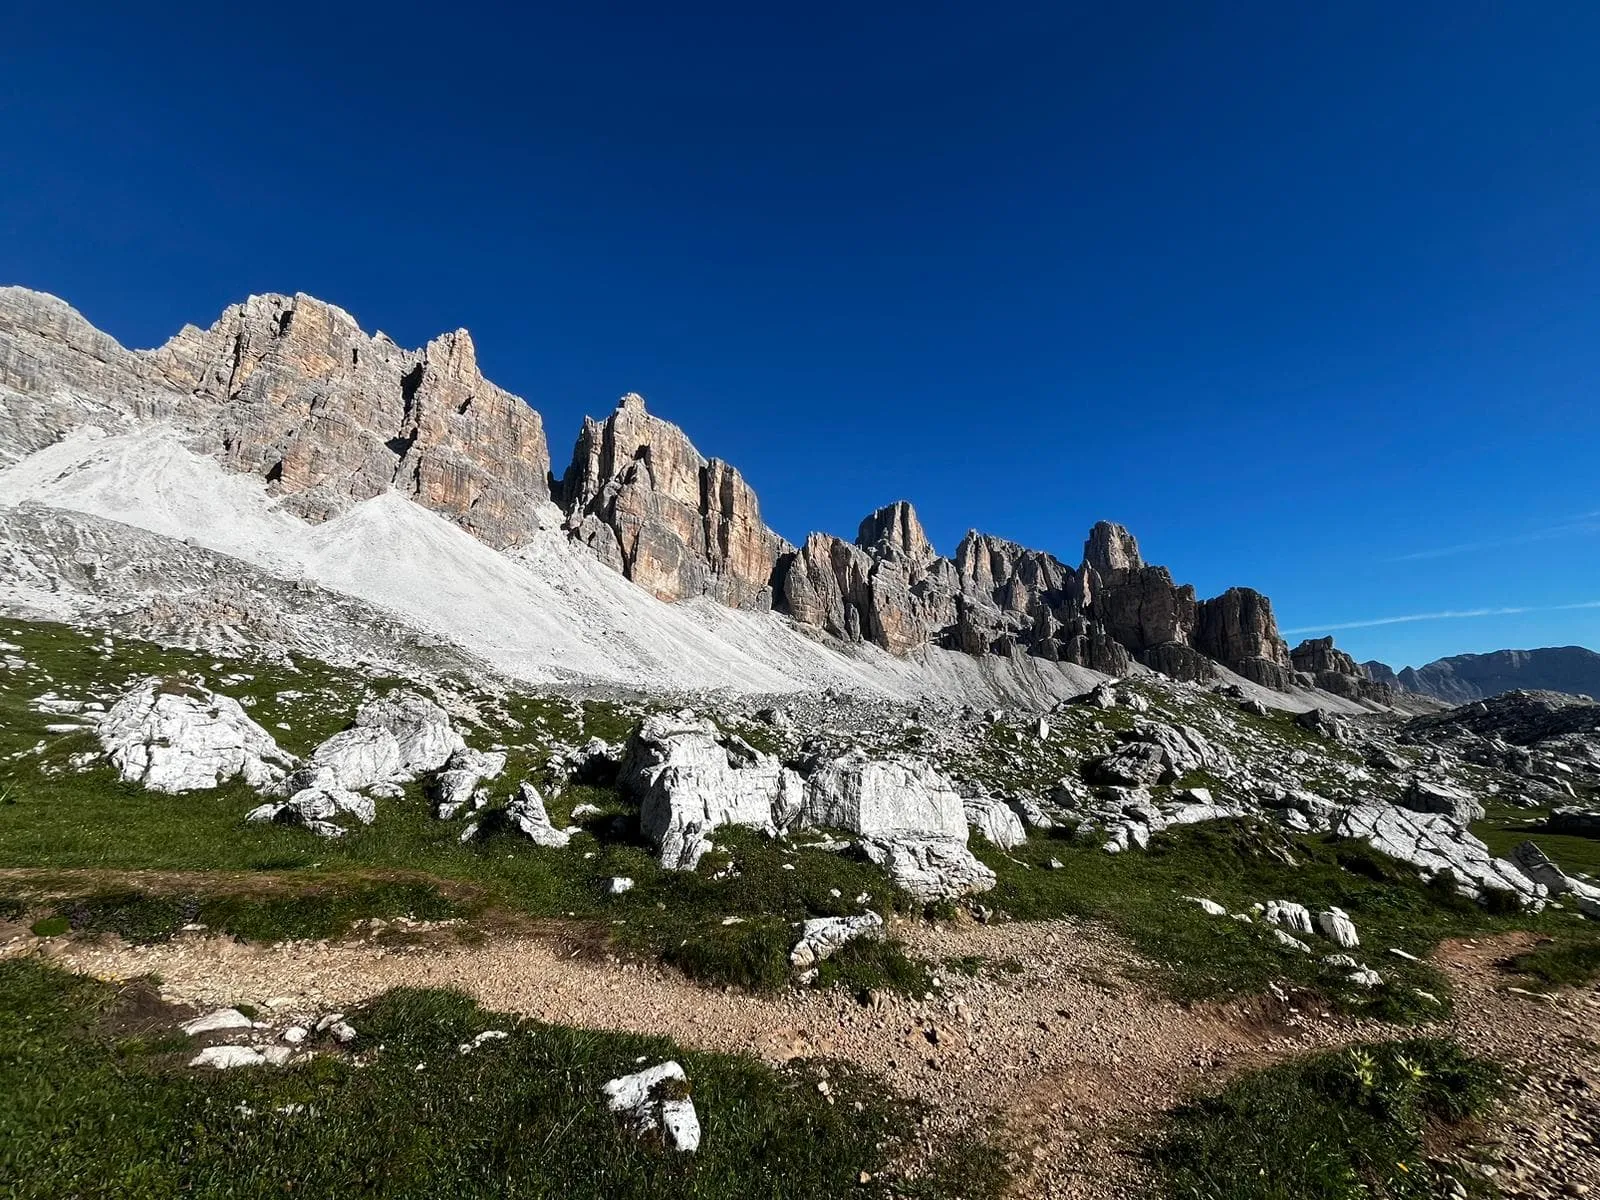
(1064,1050)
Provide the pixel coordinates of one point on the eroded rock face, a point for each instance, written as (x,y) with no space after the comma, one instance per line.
(300,396)
(1323,665)
(690,779)
(174,736)
(1238,629)
(640,495)
(289,389)
(58,372)
(997,597)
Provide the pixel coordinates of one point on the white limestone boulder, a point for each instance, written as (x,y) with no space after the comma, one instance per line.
(995,820)
(938,868)
(421,729)
(1335,925)
(175,736)
(526,814)
(822,937)
(1537,866)
(456,787)
(1433,843)
(657,1099)
(884,799)
(224,1058)
(691,778)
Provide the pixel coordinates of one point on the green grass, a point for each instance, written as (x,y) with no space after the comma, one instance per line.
(1333,1126)
(92,1108)
(58,817)
(1564,962)
(1238,863)
(318,912)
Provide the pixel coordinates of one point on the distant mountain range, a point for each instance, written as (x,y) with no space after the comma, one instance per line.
(1465,677)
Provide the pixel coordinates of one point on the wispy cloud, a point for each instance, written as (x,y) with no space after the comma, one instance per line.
(1575,526)
(1447,615)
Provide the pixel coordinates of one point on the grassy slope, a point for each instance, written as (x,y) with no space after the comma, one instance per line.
(86,1112)
(1327,1127)
(409,863)
(90,819)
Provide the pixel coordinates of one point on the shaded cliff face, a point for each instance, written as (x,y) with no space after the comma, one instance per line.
(1462,678)
(1321,664)
(996,597)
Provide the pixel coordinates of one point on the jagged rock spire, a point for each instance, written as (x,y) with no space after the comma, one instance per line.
(642,497)
(894,531)
(1110,548)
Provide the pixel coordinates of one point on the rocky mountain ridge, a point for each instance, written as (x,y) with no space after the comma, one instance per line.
(1463,678)
(290,391)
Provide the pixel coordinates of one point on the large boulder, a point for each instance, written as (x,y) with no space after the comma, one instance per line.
(1431,796)
(1435,843)
(175,736)
(352,758)
(878,797)
(930,868)
(690,778)
(999,823)
(1537,866)
(421,729)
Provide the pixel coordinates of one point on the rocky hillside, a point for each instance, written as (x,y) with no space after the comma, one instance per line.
(290,392)
(1463,678)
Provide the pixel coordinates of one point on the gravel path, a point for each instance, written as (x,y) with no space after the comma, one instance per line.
(1073,1058)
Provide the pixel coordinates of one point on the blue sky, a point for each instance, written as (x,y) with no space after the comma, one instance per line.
(1305,295)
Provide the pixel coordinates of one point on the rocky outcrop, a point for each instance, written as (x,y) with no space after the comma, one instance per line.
(690,779)
(640,495)
(1238,629)
(1435,843)
(290,389)
(1319,663)
(172,735)
(58,372)
(997,597)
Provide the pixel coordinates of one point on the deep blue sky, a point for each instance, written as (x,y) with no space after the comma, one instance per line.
(1293,291)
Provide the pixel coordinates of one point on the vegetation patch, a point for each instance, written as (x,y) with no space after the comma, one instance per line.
(86,1112)
(1564,961)
(1329,1127)
(1197,956)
